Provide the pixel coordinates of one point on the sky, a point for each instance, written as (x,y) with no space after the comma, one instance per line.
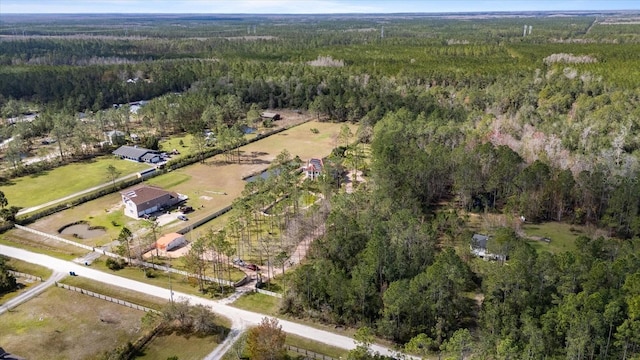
(304,6)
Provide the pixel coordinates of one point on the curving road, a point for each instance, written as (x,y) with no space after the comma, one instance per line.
(241,319)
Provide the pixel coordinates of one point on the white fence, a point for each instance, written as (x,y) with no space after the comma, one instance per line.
(270,293)
(53,237)
(108,298)
(28,276)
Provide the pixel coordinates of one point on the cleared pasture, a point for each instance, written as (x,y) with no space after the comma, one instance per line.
(65,180)
(216,183)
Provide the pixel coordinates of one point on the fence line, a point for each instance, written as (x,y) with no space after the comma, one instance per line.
(24,275)
(116,256)
(204,220)
(270,293)
(107,298)
(53,237)
(308,354)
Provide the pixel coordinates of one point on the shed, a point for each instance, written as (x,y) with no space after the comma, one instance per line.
(168,242)
(270,115)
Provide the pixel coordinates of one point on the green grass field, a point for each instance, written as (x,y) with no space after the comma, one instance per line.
(257,302)
(49,185)
(563,236)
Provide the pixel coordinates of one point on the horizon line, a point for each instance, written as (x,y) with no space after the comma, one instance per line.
(344,13)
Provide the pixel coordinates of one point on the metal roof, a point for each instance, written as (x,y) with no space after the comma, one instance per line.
(132,152)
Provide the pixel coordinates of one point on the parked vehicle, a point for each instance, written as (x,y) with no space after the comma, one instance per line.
(185,209)
(183,218)
(253,267)
(239,262)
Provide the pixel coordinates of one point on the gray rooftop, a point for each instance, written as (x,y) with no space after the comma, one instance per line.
(132,152)
(479,241)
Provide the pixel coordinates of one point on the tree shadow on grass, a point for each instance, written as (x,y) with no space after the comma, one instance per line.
(39,174)
(6,182)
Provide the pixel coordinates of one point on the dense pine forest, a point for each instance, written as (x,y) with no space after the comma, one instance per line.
(533,117)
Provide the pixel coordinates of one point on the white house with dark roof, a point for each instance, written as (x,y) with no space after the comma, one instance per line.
(479,248)
(313,169)
(138,154)
(144,199)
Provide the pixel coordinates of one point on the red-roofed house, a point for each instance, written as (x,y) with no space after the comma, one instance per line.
(170,241)
(145,199)
(313,168)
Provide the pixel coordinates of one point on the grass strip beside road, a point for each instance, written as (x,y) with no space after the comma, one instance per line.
(61,251)
(317,347)
(160,278)
(29,268)
(131,296)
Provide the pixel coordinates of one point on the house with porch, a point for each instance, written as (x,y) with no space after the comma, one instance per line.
(313,169)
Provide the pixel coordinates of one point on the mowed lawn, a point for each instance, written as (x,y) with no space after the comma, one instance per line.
(562,236)
(62,324)
(49,185)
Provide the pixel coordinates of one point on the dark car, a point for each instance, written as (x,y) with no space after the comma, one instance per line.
(183,218)
(253,267)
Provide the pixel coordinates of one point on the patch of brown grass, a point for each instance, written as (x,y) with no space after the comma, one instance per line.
(63,324)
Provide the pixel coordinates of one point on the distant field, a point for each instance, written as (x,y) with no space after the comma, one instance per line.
(65,180)
(61,324)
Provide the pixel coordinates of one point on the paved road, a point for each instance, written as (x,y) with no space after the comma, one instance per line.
(74,195)
(34,291)
(241,319)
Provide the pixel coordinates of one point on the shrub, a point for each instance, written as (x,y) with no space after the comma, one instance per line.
(115,264)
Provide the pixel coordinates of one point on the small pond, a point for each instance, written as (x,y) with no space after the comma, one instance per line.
(82,231)
(264,175)
(248,130)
